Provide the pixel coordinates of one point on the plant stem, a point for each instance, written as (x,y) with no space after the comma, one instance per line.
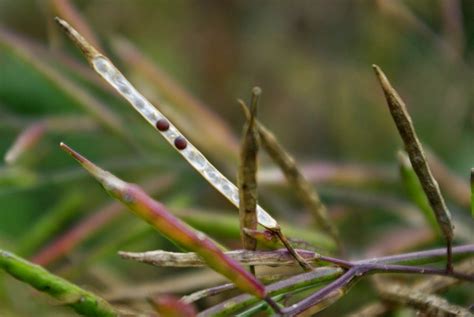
(247,177)
(323,274)
(245,257)
(83,302)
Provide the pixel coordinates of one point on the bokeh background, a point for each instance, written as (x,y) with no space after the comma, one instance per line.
(194,59)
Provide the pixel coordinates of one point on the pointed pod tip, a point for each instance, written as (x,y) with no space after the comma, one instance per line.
(63,24)
(377,71)
(59,20)
(93,169)
(88,50)
(66,148)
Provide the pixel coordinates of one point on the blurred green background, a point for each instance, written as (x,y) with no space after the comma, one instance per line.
(320,97)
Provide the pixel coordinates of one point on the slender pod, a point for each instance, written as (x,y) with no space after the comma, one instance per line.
(295,178)
(413,147)
(247,178)
(171,227)
(104,67)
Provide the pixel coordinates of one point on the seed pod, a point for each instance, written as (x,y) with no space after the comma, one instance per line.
(413,147)
(247,178)
(171,227)
(107,70)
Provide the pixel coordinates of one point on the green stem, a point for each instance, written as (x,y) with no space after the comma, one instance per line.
(83,302)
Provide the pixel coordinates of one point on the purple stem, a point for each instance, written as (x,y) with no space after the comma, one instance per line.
(361,268)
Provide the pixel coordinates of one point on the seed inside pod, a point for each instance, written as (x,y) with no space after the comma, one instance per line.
(180,143)
(162,125)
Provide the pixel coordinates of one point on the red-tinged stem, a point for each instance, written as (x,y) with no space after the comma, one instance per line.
(171,227)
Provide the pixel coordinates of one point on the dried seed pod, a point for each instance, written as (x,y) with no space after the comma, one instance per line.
(171,227)
(295,178)
(247,178)
(104,67)
(413,147)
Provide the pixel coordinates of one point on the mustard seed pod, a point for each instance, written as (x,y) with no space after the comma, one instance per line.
(107,70)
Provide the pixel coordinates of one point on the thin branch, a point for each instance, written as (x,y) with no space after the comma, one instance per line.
(315,277)
(297,256)
(414,149)
(245,257)
(355,273)
(343,281)
(434,284)
(323,274)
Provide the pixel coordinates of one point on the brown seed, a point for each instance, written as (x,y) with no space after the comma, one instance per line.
(162,125)
(180,143)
